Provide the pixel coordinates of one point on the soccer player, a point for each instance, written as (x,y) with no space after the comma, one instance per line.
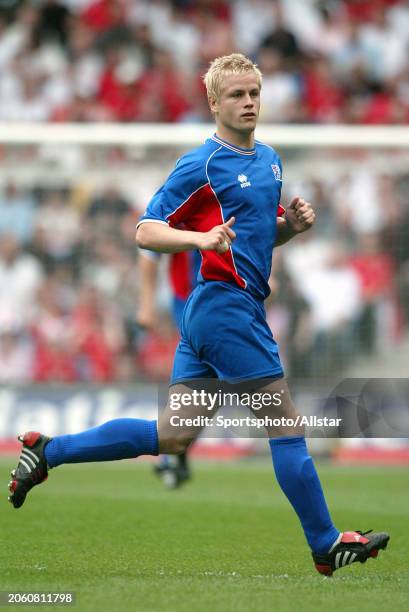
(232,180)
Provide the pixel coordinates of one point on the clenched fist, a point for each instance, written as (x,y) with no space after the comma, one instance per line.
(219,238)
(299,215)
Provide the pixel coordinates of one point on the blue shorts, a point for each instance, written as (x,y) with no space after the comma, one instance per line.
(225,335)
(178,306)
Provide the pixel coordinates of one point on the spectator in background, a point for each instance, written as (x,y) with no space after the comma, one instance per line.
(118,86)
(398,17)
(51,321)
(110,204)
(321,194)
(289,314)
(180,37)
(216,37)
(309,253)
(53,22)
(282,40)
(333,294)
(281,91)
(98,336)
(333,32)
(54,362)
(162,91)
(16,356)
(375,270)
(20,276)
(104,267)
(86,64)
(362,203)
(253,20)
(54,351)
(23,99)
(104,15)
(107,215)
(16,213)
(323,95)
(57,225)
(384,50)
(16,36)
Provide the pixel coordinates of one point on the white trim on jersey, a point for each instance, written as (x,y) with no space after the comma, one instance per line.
(232,147)
(150,221)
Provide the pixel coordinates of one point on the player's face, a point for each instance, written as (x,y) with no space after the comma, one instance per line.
(239,104)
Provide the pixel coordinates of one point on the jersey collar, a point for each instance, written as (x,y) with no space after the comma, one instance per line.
(234,148)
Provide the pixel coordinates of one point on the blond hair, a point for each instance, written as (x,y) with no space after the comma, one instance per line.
(219,68)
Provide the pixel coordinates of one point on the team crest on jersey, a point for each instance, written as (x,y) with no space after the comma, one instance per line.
(276,171)
(242,178)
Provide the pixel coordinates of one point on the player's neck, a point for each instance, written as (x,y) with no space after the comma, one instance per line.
(237,139)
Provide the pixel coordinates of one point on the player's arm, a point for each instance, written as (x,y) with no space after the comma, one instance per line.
(148,264)
(173,205)
(165,239)
(299,217)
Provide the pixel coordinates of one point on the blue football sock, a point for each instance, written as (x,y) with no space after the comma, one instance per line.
(299,481)
(117,439)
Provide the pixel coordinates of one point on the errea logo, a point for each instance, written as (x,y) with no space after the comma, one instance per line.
(242,178)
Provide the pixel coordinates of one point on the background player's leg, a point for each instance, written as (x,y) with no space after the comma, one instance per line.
(173,470)
(296,474)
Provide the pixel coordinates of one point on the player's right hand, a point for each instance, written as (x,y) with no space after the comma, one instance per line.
(219,238)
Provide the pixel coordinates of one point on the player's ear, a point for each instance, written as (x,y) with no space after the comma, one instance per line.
(213,104)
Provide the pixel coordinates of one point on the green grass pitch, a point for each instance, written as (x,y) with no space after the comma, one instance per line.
(227,541)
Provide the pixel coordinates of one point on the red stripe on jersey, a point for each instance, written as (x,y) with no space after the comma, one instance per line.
(280,211)
(180,274)
(201,212)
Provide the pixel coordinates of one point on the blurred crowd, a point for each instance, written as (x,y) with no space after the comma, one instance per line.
(69,283)
(342,61)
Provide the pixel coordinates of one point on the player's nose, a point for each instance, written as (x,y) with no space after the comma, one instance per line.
(248,101)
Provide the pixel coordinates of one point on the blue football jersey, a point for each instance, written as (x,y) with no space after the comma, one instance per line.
(213,183)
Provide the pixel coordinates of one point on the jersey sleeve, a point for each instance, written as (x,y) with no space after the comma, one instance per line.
(170,201)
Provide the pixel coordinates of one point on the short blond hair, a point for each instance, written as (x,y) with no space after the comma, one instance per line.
(219,68)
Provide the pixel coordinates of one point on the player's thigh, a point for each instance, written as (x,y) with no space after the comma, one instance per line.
(228,329)
(183,418)
(274,403)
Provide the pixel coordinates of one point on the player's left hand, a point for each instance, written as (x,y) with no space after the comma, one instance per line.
(299,215)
